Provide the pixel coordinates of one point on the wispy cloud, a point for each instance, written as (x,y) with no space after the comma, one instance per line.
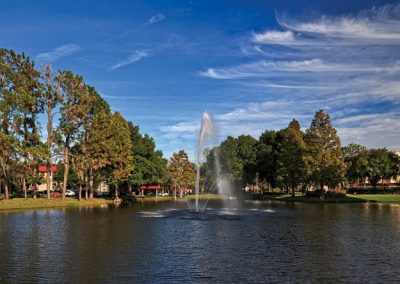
(273,37)
(265,68)
(134,57)
(382,24)
(181,127)
(346,64)
(156,18)
(57,53)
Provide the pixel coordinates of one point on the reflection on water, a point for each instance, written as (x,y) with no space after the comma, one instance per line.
(257,243)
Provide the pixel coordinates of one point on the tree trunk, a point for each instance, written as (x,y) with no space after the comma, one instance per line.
(80,191)
(66,170)
(116,193)
(48,182)
(35,190)
(322,196)
(49,142)
(130,188)
(86,187)
(24,187)
(3,166)
(91,182)
(293,188)
(6,195)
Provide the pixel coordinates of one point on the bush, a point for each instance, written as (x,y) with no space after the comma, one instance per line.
(313,193)
(330,193)
(336,194)
(372,190)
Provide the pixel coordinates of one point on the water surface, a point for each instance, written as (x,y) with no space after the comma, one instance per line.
(162,243)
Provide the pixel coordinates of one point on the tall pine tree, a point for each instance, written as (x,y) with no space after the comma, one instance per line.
(324,154)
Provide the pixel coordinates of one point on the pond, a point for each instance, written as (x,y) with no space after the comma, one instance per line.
(165,243)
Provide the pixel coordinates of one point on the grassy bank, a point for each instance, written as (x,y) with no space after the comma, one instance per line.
(383,198)
(30,203)
(170,198)
(349,198)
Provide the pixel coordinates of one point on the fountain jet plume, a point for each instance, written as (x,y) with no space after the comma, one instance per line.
(206,130)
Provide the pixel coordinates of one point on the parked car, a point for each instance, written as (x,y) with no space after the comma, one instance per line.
(69,192)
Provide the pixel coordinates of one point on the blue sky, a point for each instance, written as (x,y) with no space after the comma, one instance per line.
(253,65)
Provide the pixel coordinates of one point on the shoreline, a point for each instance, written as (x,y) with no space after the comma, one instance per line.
(349,198)
(44,203)
(147,198)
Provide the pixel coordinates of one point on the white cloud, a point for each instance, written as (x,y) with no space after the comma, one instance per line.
(265,68)
(156,18)
(181,127)
(370,25)
(348,65)
(134,57)
(273,37)
(57,53)
(374,130)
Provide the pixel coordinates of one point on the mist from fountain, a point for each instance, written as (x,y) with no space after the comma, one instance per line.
(221,183)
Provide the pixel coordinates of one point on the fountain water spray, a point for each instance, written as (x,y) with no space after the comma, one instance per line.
(206,130)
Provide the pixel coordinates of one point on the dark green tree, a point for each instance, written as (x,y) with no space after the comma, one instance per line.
(150,166)
(382,164)
(356,159)
(267,151)
(292,167)
(248,157)
(231,165)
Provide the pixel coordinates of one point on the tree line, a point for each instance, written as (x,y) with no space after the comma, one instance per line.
(291,159)
(92,144)
(82,134)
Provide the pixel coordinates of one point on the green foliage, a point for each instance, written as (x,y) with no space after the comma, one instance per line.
(382,164)
(248,158)
(119,149)
(324,154)
(149,164)
(356,159)
(20,104)
(292,167)
(267,151)
(231,165)
(181,171)
(234,158)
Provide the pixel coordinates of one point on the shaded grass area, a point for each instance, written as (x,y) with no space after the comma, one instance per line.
(349,198)
(30,203)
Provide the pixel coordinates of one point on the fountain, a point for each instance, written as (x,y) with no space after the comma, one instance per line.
(206,130)
(197,210)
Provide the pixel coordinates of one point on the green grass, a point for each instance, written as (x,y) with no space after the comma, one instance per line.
(30,203)
(169,198)
(349,198)
(154,198)
(208,196)
(384,198)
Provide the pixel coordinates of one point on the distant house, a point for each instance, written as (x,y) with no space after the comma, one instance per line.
(102,189)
